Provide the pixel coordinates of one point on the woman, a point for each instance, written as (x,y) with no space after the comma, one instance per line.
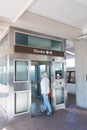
(45,89)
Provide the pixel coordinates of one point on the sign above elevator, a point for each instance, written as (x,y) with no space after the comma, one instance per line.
(39,51)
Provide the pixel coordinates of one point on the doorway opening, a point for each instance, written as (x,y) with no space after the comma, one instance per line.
(37,67)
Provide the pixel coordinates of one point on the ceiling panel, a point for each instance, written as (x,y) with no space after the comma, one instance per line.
(84,2)
(75,16)
(49,8)
(72,12)
(10,8)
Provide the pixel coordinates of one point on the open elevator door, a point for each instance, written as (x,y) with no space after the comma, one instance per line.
(36,98)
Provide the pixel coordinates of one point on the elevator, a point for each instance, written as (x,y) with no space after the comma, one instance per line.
(29,54)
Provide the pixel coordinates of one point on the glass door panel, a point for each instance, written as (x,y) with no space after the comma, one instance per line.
(59,70)
(21,107)
(59,94)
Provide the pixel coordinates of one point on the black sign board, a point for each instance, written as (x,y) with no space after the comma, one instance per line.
(39,51)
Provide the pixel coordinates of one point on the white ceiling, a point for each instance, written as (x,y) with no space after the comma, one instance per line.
(10,12)
(70,12)
(11,9)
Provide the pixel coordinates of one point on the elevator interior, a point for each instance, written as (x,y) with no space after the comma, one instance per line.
(36,97)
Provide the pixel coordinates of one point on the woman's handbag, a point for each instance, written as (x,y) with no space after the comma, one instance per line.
(50,93)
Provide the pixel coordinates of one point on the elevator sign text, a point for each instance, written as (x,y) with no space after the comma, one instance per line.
(45,52)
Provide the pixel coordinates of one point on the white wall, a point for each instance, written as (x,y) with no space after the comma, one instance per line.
(81,72)
(71,88)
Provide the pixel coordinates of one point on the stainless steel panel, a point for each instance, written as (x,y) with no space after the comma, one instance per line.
(23,86)
(15,86)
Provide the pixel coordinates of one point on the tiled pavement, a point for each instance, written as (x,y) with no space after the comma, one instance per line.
(71,118)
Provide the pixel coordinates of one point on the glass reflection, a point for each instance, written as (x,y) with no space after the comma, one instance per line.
(59,70)
(21,102)
(59,93)
(21,70)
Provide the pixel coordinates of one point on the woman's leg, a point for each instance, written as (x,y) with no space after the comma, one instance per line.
(47,103)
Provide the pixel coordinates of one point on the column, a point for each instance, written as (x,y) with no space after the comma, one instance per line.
(81,73)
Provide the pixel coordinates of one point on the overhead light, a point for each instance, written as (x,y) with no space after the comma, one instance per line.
(83,36)
(71,53)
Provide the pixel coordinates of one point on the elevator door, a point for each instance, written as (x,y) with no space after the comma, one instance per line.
(36,97)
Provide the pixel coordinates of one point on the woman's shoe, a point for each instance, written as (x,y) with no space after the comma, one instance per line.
(49,113)
(43,111)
